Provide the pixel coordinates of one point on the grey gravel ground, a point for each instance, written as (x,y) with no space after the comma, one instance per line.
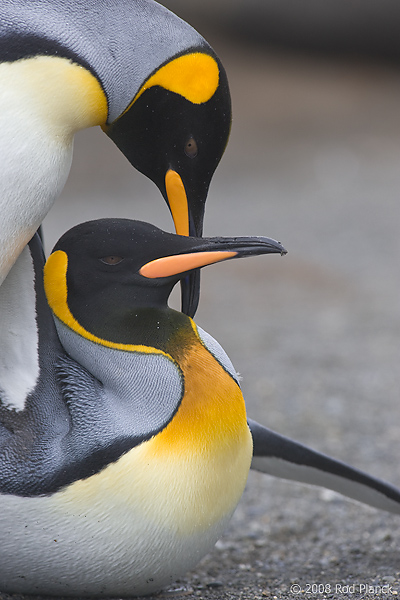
(314,162)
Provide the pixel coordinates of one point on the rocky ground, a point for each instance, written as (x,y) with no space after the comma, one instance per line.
(314,162)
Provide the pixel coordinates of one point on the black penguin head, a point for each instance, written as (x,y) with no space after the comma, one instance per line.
(175,132)
(179,122)
(101,271)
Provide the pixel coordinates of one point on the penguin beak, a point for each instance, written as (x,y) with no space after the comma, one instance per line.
(209,251)
(190,293)
(185,224)
(178,202)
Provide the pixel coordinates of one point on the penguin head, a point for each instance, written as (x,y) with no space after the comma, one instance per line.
(103,270)
(175,132)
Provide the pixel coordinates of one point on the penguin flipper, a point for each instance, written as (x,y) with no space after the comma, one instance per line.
(282,457)
(22,306)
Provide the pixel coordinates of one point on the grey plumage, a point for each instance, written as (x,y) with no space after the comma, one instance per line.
(121,41)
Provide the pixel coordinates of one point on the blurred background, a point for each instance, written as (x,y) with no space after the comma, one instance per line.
(314,161)
(332,27)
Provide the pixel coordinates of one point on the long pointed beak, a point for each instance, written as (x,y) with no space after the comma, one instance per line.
(207,251)
(186,226)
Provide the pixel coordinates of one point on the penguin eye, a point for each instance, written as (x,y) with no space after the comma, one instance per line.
(111,260)
(191,148)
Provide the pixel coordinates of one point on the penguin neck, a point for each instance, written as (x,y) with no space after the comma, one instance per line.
(126,315)
(153,327)
(159,327)
(148,356)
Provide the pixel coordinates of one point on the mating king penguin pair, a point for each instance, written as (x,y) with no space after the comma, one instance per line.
(124,441)
(146,77)
(127,459)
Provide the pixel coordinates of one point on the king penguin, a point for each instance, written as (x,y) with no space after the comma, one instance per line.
(126,462)
(132,450)
(146,77)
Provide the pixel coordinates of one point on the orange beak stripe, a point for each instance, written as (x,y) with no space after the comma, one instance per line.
(173,265)
(177,201)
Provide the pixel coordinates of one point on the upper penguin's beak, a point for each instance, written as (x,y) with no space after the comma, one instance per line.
(185,224)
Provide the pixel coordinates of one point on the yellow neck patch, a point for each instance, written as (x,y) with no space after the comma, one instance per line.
(55,286)
(194,76)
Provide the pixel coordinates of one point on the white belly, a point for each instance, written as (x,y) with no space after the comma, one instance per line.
(102,552)
(129,530)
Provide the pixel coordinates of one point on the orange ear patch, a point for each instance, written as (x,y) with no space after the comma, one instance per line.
(194,76)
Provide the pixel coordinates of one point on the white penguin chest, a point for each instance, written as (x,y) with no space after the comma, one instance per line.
(43,101)
(34,166)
